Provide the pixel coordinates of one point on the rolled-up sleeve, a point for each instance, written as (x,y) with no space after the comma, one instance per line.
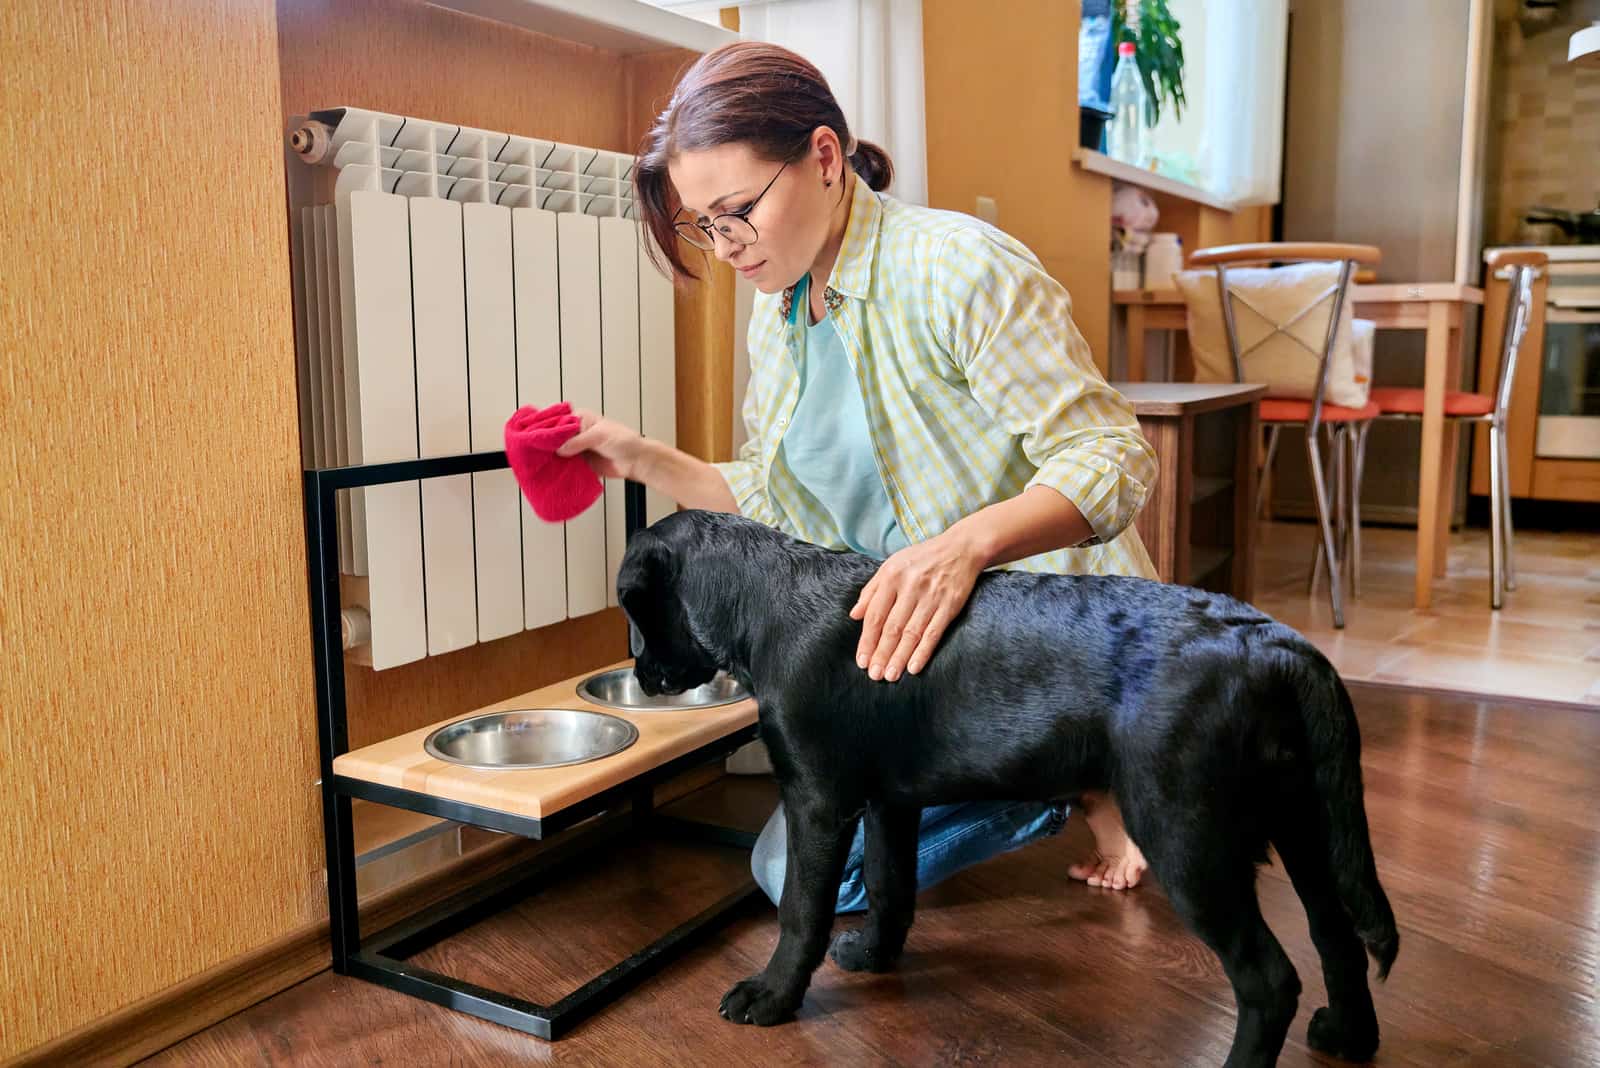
(1009,326)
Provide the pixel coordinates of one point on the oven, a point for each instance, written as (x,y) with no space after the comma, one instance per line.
(1569,386)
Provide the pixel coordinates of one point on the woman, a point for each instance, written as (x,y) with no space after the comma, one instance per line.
(918,392)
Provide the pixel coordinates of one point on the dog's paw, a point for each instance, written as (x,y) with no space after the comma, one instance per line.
(751,1001)
(854,953)
(1333,1034)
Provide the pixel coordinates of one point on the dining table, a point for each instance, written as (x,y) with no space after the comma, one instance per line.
(1437,308)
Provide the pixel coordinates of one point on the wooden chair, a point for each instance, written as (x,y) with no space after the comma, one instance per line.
(1342,426)
(1520,267)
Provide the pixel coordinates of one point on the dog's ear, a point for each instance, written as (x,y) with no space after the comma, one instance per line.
(647,591)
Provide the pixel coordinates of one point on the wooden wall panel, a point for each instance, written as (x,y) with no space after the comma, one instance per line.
(407,58)
(168,823)
(649,81)
(1219,227)
(1201,226)
(704,328)
(993,133)
(156,686)
(704,311)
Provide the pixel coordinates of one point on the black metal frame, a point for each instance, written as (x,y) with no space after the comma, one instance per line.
(382,959)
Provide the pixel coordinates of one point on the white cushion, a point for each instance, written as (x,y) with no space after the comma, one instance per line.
(1277,294)
(1362,333)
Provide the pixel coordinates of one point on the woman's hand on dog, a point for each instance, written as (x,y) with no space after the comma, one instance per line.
(906,606)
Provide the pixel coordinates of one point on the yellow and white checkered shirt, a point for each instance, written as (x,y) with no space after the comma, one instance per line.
(976,382)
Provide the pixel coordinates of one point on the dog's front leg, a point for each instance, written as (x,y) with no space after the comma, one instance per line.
(889,867)
(819,839)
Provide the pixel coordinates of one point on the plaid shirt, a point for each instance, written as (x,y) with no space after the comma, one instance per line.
(977,386)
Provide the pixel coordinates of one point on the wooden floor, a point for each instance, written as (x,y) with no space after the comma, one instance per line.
(1487,833)
(1543,644)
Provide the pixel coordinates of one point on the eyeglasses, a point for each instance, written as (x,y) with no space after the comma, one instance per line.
(733,225)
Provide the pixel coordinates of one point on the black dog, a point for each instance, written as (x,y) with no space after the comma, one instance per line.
(1217,729)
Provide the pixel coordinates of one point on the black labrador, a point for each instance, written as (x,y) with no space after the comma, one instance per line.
(1218,730)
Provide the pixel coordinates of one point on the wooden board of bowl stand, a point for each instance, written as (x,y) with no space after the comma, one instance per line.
(538,793)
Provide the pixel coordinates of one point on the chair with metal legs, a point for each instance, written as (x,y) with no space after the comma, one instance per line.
(1519,267)
(1327,425)
(1350,457)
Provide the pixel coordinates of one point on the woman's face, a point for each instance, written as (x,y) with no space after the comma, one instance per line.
(790,219)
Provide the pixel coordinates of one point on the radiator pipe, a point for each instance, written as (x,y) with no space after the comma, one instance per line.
(312,141)
(355,627)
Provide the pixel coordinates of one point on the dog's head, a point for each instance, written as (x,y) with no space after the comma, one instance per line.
(668,657)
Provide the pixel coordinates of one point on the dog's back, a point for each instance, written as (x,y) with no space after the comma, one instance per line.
(1034,687)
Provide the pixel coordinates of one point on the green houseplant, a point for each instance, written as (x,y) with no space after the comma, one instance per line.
(1149,24)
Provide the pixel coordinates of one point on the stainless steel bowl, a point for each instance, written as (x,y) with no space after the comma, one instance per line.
(620,689)
(531,738)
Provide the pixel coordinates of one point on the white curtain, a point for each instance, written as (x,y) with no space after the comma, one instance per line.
(1246,58)
(871,53)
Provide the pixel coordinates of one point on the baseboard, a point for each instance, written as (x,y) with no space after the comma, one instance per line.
(150,1025)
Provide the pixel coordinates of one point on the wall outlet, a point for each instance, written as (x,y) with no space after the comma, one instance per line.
(987,211)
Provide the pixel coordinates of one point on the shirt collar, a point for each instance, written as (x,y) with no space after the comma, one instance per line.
(852,270)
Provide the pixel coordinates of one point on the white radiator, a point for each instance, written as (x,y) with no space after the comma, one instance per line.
(446,277)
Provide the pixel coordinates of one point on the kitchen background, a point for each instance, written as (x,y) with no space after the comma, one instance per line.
(1428,176)
(1545,134)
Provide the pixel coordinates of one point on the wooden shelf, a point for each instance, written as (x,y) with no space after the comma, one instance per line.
(1204,560)
(1099,163)
(624,26)
(664,735)
(1194,427)
(1206,488)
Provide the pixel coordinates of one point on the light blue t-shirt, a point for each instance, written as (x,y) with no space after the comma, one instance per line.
(828,447)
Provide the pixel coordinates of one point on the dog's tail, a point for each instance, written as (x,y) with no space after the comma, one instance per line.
(1335,753)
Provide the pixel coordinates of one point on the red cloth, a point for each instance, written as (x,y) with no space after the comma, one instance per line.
(1409,402)
(558,487)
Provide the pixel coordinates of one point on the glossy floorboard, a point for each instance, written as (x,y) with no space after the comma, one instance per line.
(1488,840)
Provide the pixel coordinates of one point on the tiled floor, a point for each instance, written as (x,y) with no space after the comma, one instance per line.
(1544,644)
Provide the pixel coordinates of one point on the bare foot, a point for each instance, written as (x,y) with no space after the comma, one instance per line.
(1117,863)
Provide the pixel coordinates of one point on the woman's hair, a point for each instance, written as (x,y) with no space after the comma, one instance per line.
(747,92)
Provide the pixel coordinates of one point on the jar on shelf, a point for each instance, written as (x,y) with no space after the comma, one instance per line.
(1125,269)
(1162,259)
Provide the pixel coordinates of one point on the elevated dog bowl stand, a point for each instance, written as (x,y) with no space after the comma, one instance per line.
(534,803)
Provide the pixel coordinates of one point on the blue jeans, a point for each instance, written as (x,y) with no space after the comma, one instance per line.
(952,837)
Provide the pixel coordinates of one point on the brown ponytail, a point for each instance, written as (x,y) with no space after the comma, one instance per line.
(747,92)
(872,164)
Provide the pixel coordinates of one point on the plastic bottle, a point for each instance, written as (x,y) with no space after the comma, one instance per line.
(1163,258)
(1128,140)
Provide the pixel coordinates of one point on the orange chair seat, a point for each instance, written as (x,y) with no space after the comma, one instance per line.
(1283,410)
(1409,402)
